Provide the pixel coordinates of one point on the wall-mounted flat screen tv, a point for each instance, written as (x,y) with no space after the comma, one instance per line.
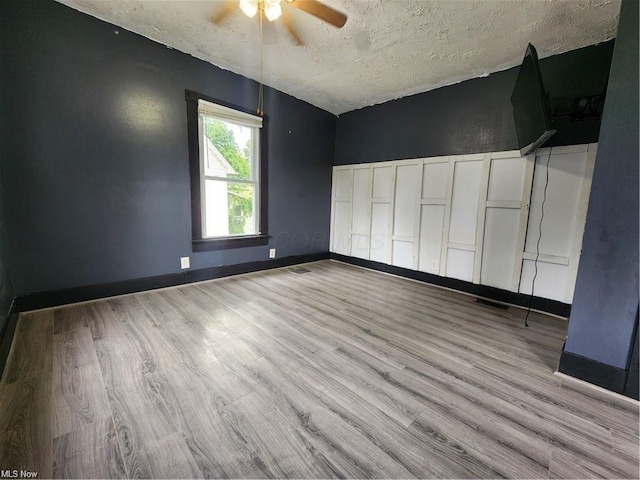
(530,105)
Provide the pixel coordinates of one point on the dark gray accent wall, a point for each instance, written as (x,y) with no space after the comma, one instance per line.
(470,117)
(601,326)
(474,116)
(7,292)
(95,157)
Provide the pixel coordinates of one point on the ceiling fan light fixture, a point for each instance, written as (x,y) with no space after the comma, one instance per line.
(272,9)
(249,7)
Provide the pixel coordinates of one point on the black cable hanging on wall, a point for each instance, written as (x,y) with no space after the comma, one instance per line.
(535,263)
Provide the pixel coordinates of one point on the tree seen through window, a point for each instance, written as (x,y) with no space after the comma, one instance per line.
(240,195)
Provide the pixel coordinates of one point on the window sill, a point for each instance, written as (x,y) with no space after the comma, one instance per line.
(208,244)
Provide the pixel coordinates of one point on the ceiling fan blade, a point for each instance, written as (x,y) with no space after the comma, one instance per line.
(226,9)
(322,11)
(291,29)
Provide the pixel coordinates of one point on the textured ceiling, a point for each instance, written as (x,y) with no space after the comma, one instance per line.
(388,48)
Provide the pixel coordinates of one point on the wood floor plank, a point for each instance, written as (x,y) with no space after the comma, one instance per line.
(192,394)
(166,458)
(31,350)
(91,451)
(79,398)
(342,447)
(474,445)
(339,398)
(158,307)
(276,440)
(354,436)
(156,352)
(103,321)
(352,369)
(221,451)
(608,410)
(71,349)
(67,319)
(347,334)
(25,425)
(119,360)
(568,465)
(339,372)
(391,288)
(530,426)
(521,395)
(140,416)
(195,348)
(626,452)
(214,340)
(284,365)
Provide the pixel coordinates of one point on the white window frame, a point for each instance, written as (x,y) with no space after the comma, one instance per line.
(230,115)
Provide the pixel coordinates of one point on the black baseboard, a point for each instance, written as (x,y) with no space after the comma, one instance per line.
(492,293)
(6,335)
(632,387)
(605,376)
(54,298)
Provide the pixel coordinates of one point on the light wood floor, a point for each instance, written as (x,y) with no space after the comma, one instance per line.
(333,372)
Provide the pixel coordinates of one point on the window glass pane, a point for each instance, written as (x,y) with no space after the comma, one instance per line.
(228,149)
(229,209)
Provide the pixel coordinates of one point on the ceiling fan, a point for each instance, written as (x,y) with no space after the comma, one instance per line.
(272,10)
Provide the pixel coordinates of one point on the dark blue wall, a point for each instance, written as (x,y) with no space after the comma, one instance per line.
(95,157)
(470,117)
(605,302)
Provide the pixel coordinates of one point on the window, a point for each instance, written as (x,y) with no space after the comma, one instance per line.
(227,177)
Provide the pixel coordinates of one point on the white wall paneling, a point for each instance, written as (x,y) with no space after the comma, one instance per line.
(360,246)
(405,209)
(383,181)
(433,198)
(500,247)
(380,242)
(467,176)
(403,254)
(482,212)
(431,223)
(550,281)
(466,192)
(459,264)
(505,222)
(361,212)
(384,178)
(341,211)
(581,220)
(569,184)
(470,217)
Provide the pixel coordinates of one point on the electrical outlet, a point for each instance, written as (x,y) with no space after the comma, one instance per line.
(272,253)
(434,265)
(184,262)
